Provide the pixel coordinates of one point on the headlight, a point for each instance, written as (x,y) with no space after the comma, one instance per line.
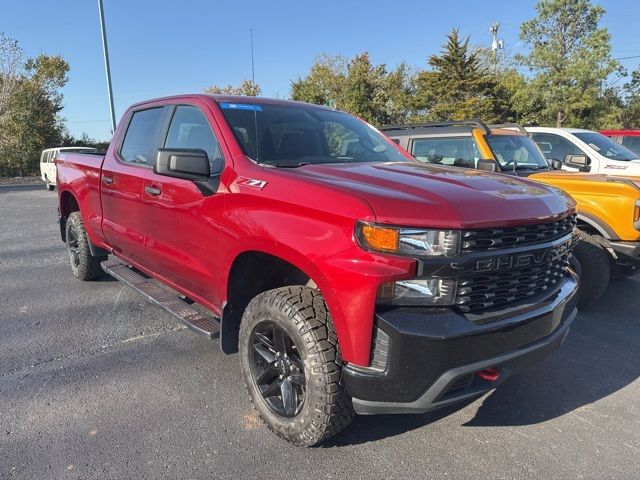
(636,215)
(408,241)
(418,291)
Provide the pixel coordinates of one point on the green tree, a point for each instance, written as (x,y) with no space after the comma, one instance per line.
(630,117)
(325,82)
(247,87)
(357,86)
(458,86)
(84,141)
(29,107)
(570,57)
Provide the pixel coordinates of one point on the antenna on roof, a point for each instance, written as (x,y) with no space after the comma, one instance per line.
(253,71)
(255,110)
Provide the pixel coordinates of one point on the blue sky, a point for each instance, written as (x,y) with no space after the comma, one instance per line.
(166,47)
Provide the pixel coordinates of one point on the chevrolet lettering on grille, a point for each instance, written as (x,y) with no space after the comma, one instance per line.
(525,259)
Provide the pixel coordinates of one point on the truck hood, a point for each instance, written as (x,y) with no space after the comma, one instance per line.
(419,194)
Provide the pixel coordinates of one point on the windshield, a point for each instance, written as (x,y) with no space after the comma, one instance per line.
(516,151)
(290,136)
(605,146)
(456,151)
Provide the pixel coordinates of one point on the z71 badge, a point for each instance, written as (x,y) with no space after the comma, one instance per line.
(251,182)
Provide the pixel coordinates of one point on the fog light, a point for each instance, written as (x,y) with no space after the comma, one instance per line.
(418,291)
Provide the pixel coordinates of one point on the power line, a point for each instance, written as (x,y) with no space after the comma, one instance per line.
(627,58)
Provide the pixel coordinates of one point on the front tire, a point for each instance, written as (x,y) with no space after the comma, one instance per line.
(291,364)
(48,184)
(594,268)
(83,265)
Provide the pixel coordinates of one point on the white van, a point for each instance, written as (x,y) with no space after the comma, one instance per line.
(48,168)
(585,151)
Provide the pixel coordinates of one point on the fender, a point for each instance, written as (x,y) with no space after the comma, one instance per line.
(601,227)
(228,330)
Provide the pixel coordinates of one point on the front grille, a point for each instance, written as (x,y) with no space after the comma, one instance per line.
(496,238)
(486,290)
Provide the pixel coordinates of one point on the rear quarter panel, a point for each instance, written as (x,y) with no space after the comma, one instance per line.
(79,175)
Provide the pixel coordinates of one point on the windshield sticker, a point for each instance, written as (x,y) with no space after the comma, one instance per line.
(241,106)
(595,147)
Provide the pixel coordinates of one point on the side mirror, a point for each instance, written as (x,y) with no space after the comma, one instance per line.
(190,164)
(554,163)
(581,162)
(487,165)
(187,163)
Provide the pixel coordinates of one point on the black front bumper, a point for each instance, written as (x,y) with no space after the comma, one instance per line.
(426,358)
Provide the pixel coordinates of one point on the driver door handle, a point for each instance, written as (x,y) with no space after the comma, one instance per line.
(107,180)
(155,191)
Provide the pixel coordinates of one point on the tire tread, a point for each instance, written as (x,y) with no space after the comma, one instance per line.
(307,309)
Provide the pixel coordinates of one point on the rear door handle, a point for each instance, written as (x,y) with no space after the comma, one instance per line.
(107,180)
(155,191)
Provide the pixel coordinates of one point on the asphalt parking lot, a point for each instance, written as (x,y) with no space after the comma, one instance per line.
(97,383)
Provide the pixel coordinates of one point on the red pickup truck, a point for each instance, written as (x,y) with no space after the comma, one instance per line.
(350,278)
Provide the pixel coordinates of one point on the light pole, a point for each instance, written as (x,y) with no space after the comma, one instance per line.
(105,51)
(495,45)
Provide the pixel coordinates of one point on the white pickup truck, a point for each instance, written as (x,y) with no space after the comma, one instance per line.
(48,166)
(585,151)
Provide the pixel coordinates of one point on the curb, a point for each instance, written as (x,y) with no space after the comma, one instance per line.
(21,186)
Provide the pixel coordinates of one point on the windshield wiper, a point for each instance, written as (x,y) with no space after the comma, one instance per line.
(288,165)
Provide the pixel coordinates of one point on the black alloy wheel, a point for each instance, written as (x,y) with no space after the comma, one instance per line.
(73,246)
(277,369)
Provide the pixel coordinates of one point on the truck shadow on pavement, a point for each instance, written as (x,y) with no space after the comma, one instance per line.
(599,357)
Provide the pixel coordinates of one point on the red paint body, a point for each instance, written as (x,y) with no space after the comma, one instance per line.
(622,133)
(305,216)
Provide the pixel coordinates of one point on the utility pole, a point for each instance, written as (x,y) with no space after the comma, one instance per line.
(105,51)
(495,45)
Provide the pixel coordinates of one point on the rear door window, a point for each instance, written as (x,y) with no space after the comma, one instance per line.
(139,144)
(454,151)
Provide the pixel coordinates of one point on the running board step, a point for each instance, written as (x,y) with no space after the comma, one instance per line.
(163,297)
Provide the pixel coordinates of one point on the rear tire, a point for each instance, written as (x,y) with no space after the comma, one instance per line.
(594,266)
(83,265)
(48,184)
(288,344)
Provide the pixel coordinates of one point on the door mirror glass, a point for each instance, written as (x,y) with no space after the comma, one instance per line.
(186,163)
(217,165)
(487,165)
(554,163)
(581,162)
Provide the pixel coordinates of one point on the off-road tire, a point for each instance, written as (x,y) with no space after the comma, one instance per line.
(48,185)
(595,268)
(303,314)
(85,266)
